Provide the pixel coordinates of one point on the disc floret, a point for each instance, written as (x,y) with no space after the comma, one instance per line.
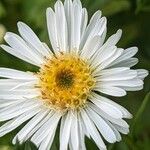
(65,82)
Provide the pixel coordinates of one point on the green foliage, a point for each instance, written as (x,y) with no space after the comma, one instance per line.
(133,16)
(2,10)
(143,5)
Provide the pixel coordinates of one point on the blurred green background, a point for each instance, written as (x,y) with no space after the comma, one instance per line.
(133,16)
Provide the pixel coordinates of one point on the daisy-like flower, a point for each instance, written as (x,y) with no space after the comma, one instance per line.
(72,80)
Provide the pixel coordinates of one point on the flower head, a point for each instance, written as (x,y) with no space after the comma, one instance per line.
(70,82)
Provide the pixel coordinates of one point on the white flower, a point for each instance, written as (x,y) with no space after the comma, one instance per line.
(68,86)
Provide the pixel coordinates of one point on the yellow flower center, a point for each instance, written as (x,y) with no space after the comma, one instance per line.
(65,82)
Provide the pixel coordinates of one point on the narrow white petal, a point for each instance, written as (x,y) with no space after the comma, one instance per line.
(84,21)
(108,61)
(6,103)
(19,94)
(127,53)
(61,25)
(111,71)
(93,131)
(116,76)
(46,129)
(126,63)
(123,130)
(95,18)
(136,88)
(17,43)
(76,25)
(135,82)
(109,117)
(102,126)
(16,74)
(110,90)
(142,73)
(74,132)
(81,134)
(18,54)
(14,123)
(116,132)
(21,135)
(52,31)
(102,56)
(98,29)
(38,126)
(101,99)
(69,18)
(91,47)
(65,130)
(47,142)
(30,37)
(18,109)
(113,40)
(106,107)
(10,83)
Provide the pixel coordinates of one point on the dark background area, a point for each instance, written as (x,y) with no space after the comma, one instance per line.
(132,16)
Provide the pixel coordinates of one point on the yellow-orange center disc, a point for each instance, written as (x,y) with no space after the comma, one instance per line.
(65,82)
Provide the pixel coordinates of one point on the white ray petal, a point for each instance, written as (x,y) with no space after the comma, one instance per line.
(135,82)
(19,94)
(69,18)
(93,131)
(81,134)
(126,63)
(113,40)
(52,31)
(108,61)
(47,142)
(124,74)
(17,43)
(38,126)
(31,38)
(76,26)
(7,103)
(14,123)
(16,74)
(123,130)
(65,130)
(21,135)
(44,130)
(84,21)
(102,56)
(105,100)
(95,18)
(61,25)
(135,88)
(98,29)
(18,109)
(112,71)
(91,47)
(102,126)
(110,90)
(142,73)
(106,107)
(116,132)
(109,117)
(127,53)
(75,132)
(19,54)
